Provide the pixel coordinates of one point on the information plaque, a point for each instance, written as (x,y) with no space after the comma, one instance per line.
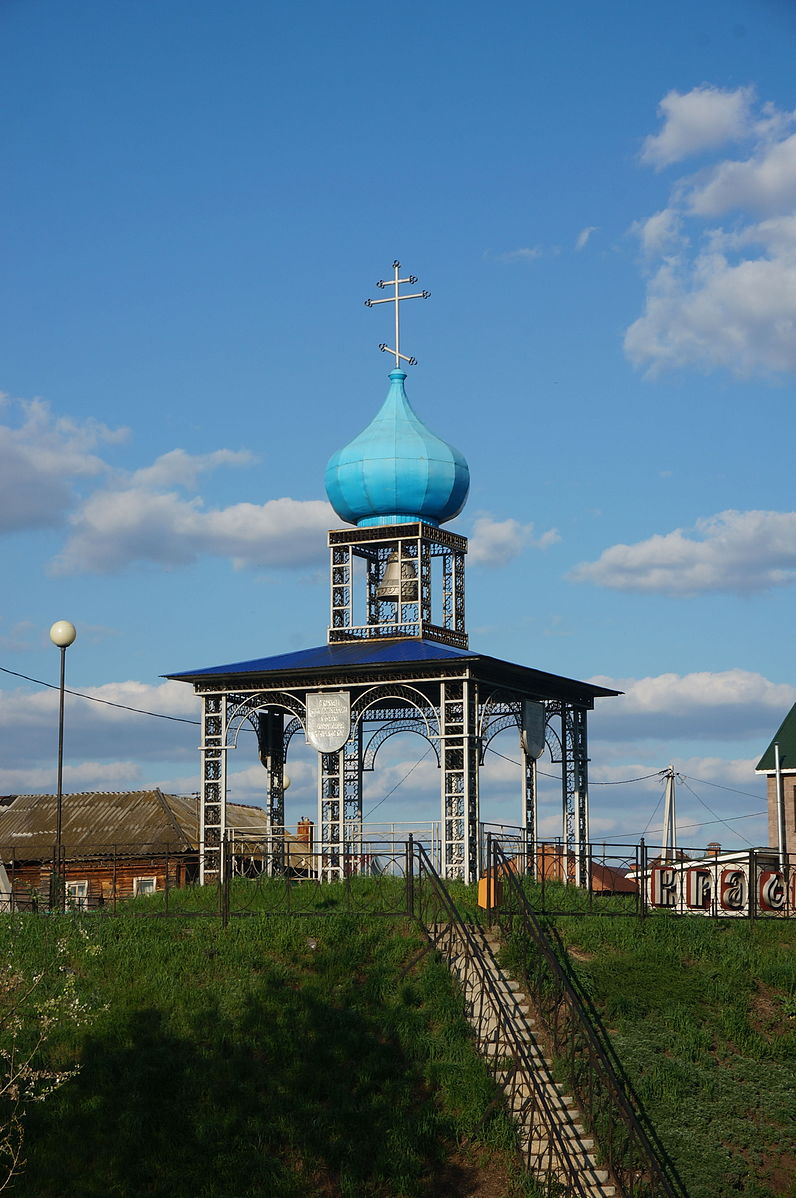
(328,720)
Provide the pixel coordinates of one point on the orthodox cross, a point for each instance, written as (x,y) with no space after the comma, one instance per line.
(396,298)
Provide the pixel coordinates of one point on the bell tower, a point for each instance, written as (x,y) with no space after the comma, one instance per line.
(397,573)
(396,659)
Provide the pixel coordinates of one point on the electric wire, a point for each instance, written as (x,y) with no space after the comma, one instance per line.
(158,715)
(704,824)
(397,784)
(717,818)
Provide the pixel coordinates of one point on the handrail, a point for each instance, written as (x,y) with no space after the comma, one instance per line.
(652,1173)
(548,1150)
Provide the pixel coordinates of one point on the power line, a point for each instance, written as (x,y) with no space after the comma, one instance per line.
(705,824)
(158,715)
(716,818)
(557,777)
(732,789)
(397,784)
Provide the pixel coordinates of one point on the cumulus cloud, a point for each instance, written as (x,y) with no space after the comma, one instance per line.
(721,295)
(740,552)
(695,121)
(51,476)
(96,730)
(41,456)
(116,528)
(727,704)
(496,542)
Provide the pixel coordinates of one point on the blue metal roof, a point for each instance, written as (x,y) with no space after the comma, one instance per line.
(397,471)
(346,653)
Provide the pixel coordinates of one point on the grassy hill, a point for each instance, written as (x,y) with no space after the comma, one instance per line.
(280,1056)
(703,1015)
(326,1055)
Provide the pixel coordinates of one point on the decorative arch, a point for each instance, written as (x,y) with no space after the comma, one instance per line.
(291,728)
(247,708)
(407,694)
(392,729)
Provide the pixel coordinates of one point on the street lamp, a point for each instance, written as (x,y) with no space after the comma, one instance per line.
(62,634)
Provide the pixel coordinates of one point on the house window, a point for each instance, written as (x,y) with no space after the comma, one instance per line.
(77,894)
(144,886)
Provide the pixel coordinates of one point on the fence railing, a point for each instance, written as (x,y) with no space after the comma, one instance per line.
(505,1041)
(579,1043)
(642,878)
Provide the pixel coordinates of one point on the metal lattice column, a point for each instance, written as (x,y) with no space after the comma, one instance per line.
(529,813)
(352,791)
(579,757)
(213,798)
(459,782)
(330,786)
(575,791)
(340,804)
(341,615)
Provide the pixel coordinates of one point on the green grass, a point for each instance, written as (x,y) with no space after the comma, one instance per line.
(703,1016)
(279,1056)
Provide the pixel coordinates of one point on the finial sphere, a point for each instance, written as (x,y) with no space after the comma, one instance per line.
(63,633)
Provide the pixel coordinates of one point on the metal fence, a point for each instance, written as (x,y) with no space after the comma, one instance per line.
(644,878)
(578,1042)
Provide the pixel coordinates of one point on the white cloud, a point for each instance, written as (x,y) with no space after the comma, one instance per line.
(180,469)
(96,730)
(765,183)
(702,119)
(40,458)
(721,296)
(115,528)
(528,253)
(698,704)
(496,542)
(80,776)
(584,235)
(740,552)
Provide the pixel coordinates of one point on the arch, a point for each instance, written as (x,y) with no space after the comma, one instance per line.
(291,728)
(382,734)
(499,724)
(247,708)
(408,694)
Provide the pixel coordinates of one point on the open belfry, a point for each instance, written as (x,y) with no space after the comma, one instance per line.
(396,659)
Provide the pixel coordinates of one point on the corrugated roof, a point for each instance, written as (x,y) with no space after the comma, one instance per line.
(785,737)
(145,819)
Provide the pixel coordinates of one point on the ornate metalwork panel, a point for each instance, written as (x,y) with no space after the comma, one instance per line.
(459,782)
(399,598)
(213,793)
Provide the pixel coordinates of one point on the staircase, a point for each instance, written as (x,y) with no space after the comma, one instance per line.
(553,1140)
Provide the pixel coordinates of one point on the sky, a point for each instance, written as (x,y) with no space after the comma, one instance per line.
(198,197)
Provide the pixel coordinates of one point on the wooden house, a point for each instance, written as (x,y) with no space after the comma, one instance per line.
(114,844)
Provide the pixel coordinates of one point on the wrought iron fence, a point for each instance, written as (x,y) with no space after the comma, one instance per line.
(578,1042)
(642,878)
(556,1155)
(258,879)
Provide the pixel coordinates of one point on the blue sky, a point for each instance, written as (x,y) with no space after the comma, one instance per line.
(198,197)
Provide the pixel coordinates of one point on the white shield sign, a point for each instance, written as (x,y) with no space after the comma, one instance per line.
(533,723)
(328,720)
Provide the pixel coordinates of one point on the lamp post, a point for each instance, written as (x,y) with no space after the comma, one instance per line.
(62,634)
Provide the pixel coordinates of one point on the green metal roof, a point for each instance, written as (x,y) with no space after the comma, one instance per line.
(785,737)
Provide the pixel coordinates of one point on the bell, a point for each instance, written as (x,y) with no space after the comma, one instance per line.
(399,581)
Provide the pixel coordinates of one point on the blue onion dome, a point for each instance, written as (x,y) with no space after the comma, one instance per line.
(397,471)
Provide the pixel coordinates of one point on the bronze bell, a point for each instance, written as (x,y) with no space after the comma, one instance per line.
(399,581)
